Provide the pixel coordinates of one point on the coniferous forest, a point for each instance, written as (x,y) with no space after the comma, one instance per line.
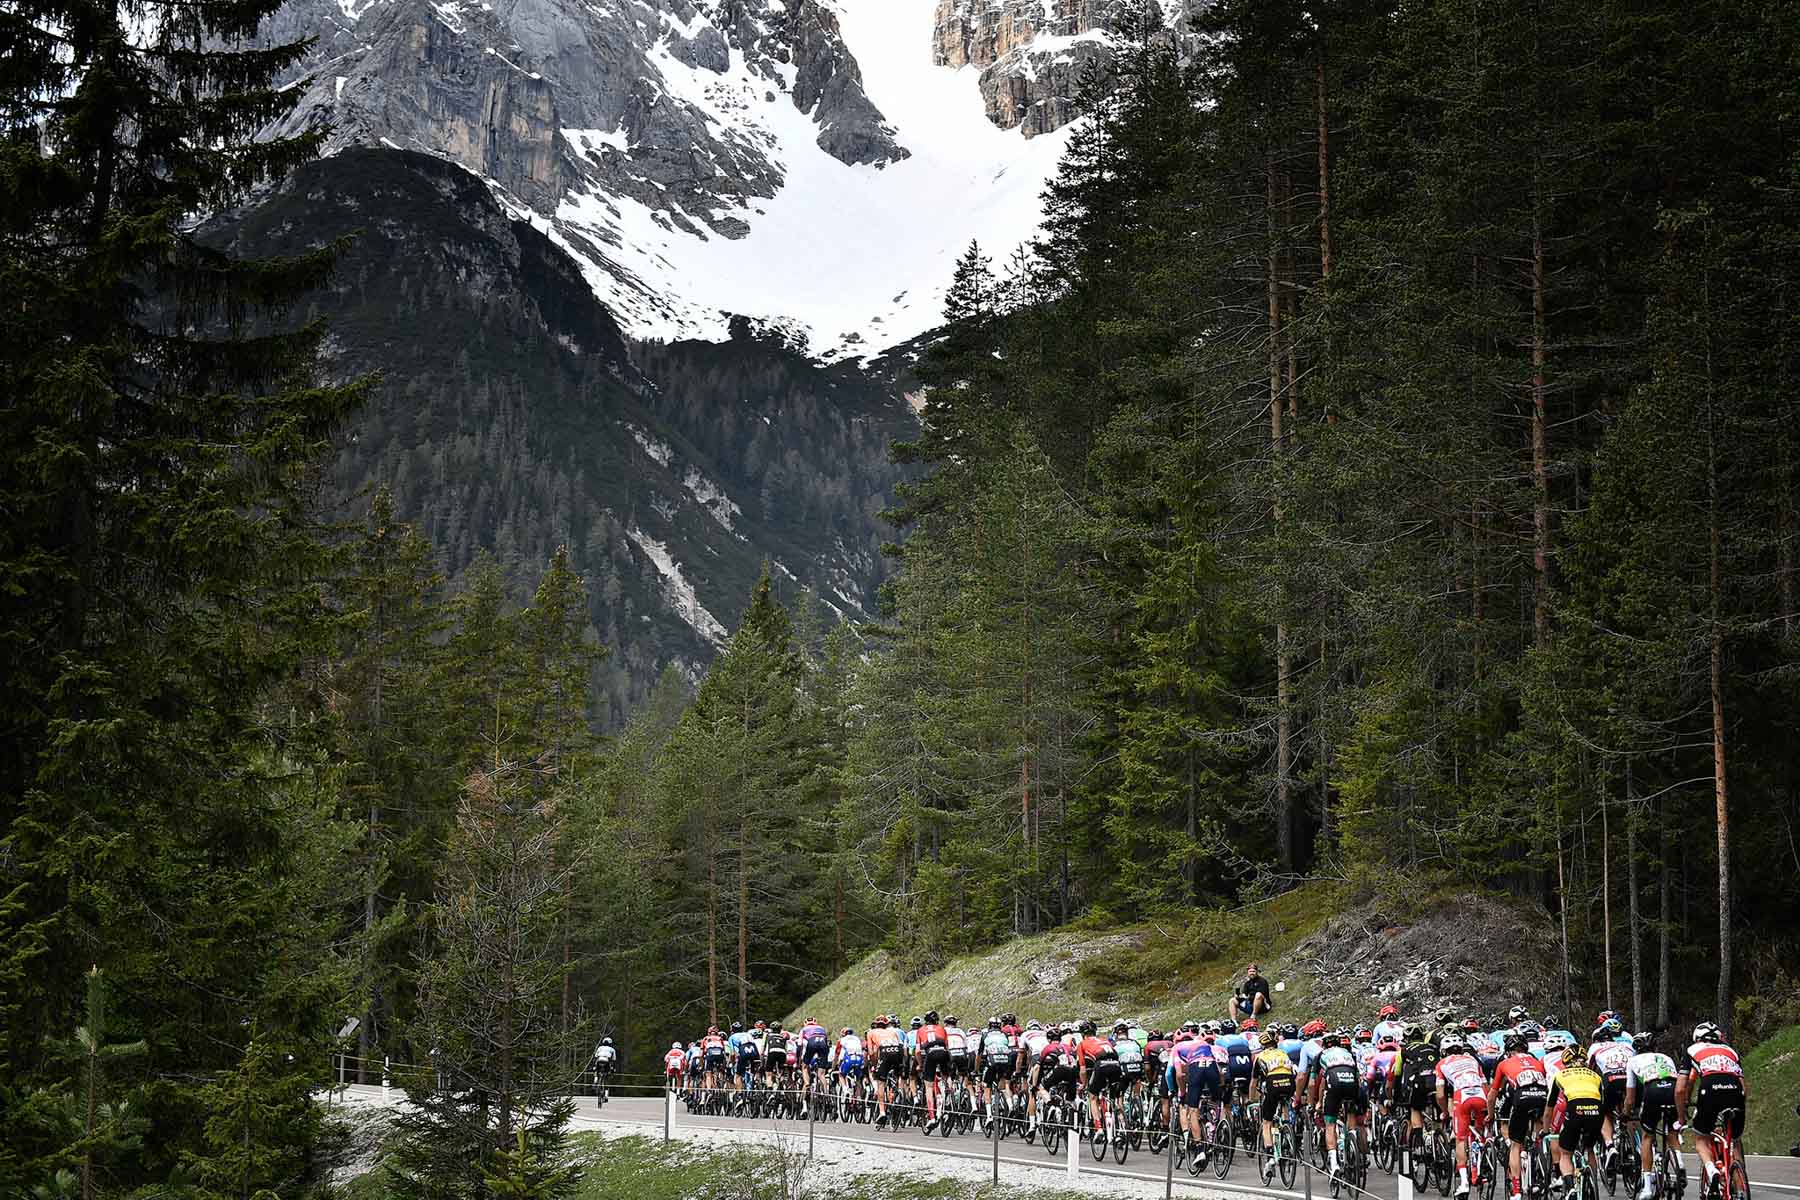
(1383,465)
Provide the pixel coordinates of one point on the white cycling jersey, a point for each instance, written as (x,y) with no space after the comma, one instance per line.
(1648,1068)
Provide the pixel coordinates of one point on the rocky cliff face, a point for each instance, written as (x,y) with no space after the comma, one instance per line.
(1033,52)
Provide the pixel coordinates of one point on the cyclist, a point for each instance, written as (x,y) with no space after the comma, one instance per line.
(1234,1047)
(998,1057)
(1612,1059)
(1271,1081)
(912,1047)
(1415,1076)
(1197,1077)
(1097,1071)
(1336,1089)
(1380,1071)
(714,1047)
(1055,1072)
(1462,1094)
(605,1058)
(1159,1054)
(1558,1052)
(1131,1057)
(934,1063)
(1650,1098)
(1362,1044)
(746,1053)
(1517,1095)
(1709,1079)
(1031,1049)
(815,1051)
(889,1053)
(1388,1024)
(1573,1109)
(777,1056)
(1292,1045)
(674,1065)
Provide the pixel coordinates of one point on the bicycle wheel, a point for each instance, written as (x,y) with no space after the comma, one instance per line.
(1443,1161)
(1419,1161)
(1225,1147)
(1287,1158)
(1609,1168)
(1740,1180)
(1097,1142)
(1490,1172)
(1121,1139)
(1384,1147)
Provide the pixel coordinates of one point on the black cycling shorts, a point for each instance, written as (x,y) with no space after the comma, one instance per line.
(1060,1078)
(1421,1096)
(1520,1112)
(1202,1083)
(888,1062)
(1106,1076)
(1341,1095)
(996,1070)
(1612,1095)
(1719,1094)
(1656,1105)
(1581,1126)
(937,1062)
(1273,1096)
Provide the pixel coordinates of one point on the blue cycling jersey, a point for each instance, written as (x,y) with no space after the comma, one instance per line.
(1292,1047)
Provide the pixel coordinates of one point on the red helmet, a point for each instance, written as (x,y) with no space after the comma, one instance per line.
(1249,1025)
(1312,1028)
(1388,1010)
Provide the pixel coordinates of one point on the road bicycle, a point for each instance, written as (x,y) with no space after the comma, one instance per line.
(1728,1156)
(1054,1123)
(1353,1164)
(1284,1149)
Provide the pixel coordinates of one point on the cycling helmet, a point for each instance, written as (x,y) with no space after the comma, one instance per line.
(1517,1013)
(1552,1022)
(1642,1040)
(737,1027)
(917,1022)
(606,1041)
(1312,1028)
(1388,1042)
(993,1022)
(1606,1014)
(1228,1026)
(675,1045)
(1249,1025)
(1190,1027)
(846,1032)
(1267,1039)
(931,1017)
(1471,1025)
(1388,1010)
(775,1027)
(1558,1039)
(949,1020)
(1290,1030)
(1035,1025)
(1330,1038)
(1451,1044)
(761,1025)
(1706,1031)
(1608,1029)
(1516,1042)
(1121,1027)
(1363,1033)
(1087,1029)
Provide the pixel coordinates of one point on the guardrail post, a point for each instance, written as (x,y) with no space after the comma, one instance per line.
(1075,1127)
(387,1063)
(1169,1174)
(668,1114)
(1307,1166)
(995,1117)
(1406,1185)
(809,1129)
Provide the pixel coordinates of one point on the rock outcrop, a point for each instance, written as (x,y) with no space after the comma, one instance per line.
(1033,53)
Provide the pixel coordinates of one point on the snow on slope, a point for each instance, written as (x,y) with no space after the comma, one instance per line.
(858,256)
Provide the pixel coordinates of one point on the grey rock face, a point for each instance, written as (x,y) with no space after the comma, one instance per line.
(506,88)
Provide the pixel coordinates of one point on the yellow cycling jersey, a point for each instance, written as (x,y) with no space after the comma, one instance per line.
(1579,1084)
(1275,1066)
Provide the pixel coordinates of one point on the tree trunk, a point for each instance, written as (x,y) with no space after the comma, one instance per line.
(1540,443)
(743,943)
(1283,659)
(1190,864)
(1606,893)
(1631,892)
(1478,590)
(837,962)
(1562,912)
(1324,175)
(712,941)
(1716,544)
(1662,924)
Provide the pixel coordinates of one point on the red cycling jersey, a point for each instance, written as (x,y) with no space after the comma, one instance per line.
(1091,1048)
(933,1036)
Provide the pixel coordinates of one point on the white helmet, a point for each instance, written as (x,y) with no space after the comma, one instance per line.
(675,1046)
(1451,1044)
(1558,1039)
(1706,1031)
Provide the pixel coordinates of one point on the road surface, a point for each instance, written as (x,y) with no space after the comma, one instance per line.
(1770,1175)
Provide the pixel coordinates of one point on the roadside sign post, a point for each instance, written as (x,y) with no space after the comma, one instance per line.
(994,1136)
(668,1114)
(1074,1146)
(1406,1185)
(1169,1164)
(810,1125)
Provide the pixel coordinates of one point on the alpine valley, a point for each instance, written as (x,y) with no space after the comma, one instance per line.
(643,276)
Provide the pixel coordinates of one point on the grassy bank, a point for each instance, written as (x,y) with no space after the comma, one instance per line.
(1772,1076)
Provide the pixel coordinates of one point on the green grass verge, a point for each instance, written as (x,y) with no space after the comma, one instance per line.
(1158,971)
(1772,1077)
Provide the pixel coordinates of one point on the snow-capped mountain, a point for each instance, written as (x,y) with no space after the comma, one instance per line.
(815,165)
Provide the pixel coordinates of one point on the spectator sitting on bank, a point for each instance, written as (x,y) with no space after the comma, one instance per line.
(1251,998)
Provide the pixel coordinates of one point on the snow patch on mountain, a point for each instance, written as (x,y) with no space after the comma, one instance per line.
(679,592)
(857,255)
(658,450)
(712,498)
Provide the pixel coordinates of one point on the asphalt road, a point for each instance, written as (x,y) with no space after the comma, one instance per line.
(1770,1175)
